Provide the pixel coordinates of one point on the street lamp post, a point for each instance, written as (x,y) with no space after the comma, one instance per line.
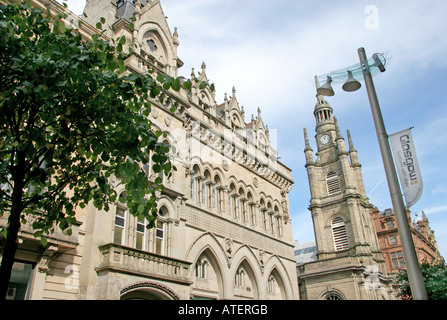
(411,261)
(414,271)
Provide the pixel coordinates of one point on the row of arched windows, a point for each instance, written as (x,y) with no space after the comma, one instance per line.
(235,201)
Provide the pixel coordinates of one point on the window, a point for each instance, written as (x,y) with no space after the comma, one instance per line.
(193,187)
(208,193)
(233,201)
(20,281)
(332,183)
(393,240)
(262,213)
(159,237)
(141,234)
(151,44)
(279,225)
(239,278)
(214,195)
(201,269)
(339,234)
(390,224)
(242,207)
(271,285)
(397,259)
(195,184)
(332,295)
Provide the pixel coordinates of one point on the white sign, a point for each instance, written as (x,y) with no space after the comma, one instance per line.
(407,165)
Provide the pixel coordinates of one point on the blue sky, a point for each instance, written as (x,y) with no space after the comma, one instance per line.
(271,50)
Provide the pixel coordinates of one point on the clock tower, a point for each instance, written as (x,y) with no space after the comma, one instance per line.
(350,264)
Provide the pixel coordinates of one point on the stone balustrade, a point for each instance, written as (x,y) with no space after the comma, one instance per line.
(129,260)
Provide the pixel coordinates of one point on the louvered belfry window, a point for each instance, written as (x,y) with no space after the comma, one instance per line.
(332,183)
(339,234)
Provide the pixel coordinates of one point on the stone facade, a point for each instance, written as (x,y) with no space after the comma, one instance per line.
(349,262)
(224,229)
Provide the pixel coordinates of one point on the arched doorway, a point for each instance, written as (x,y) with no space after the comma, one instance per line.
(148,291)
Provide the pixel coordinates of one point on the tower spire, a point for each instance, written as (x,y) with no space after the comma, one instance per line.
(307,149)
(352,151)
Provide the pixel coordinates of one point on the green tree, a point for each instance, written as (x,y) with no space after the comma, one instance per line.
(71,121)
(435,280)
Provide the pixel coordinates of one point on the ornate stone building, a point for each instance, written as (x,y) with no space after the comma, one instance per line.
(389,241)
(224,229)
(349,262)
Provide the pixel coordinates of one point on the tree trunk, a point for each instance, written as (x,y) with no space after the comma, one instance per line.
(13,227)
(9,251)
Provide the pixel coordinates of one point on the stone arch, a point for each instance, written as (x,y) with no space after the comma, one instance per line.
(156,43)
(208,241)
(148,290)
(166,205)
(218,172)
(208,276)
(244,259)
(332,294)
(274,266)
(236,119)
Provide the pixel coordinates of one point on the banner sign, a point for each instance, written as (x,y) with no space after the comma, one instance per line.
(407,165)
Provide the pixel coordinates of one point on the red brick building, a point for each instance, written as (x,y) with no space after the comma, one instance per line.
(390,244)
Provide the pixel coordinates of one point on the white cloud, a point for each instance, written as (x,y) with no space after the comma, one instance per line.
(441,188)
(436,209)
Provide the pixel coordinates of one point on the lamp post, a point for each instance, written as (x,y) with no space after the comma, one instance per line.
(414,272)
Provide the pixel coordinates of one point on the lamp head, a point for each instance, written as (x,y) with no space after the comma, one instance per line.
(351,84)
(326,89)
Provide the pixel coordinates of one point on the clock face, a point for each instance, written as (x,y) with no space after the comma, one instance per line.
(324,139)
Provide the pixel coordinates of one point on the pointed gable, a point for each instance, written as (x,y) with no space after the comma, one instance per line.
(236,114)
(153,38)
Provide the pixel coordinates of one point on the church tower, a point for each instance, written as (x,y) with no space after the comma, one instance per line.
(347,247)
(340,209)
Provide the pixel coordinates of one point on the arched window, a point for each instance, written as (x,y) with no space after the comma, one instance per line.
(271,285)
(332,295)
(251,209)
(218,196)
(207,190)
(194,185)
(241,212)
(262,215)
(332,183)
(278,222)
(151,44)
(239,278)
(339,234)
(140,241)
(271,221)
(201,269)
(160,232)
(233,201)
